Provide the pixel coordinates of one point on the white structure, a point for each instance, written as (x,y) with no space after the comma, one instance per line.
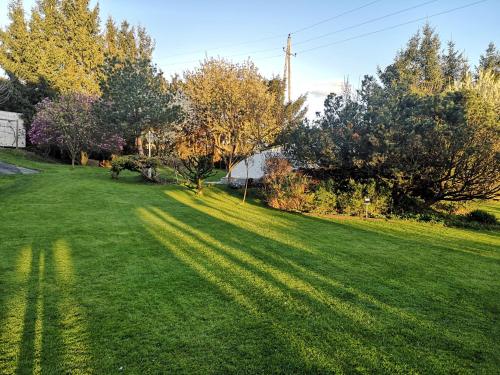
(256,164)
(12,132)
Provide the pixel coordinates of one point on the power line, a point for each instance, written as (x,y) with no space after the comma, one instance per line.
(335,17)
(367,22)
(392,27)
(278,36)
(346,28)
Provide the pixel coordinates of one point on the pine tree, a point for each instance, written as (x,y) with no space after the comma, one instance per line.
(490,60)
(455,66)
(429,61)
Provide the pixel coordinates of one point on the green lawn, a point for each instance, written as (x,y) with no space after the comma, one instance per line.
(104,276)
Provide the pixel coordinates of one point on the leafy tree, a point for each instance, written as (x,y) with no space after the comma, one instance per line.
(235,104)
(16,45)
(134,98)
(69,123)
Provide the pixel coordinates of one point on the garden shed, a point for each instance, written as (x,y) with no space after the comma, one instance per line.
(12,131)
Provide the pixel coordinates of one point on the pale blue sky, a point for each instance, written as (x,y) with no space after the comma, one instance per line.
(186,30)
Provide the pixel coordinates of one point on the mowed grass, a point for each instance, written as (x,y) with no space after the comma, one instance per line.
(104,276)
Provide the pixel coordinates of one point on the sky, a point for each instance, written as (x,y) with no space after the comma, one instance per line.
(334,40)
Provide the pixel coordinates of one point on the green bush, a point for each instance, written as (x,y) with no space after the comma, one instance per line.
(147,167)
(325,199)
(348,197)
(482,217)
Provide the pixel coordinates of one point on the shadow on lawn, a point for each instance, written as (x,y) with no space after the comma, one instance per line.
(44,328)
(306,304)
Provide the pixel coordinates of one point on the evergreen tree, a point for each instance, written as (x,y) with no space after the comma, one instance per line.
(417,67)
(455,66)
(15,44)
(491,59)
(83,45)
(126,42)
(134,98)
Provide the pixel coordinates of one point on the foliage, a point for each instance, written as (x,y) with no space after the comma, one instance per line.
(23,97)
(235,105)
(62,45)
(195,169)
(126,43)
(490,60)
(284,189)
(423,137)
(481,216)
(147,167)
(69,123)
(134,98)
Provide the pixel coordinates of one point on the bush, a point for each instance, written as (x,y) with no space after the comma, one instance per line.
(348,197)
(147,167)
(284,189)
(325,200)
(482,217)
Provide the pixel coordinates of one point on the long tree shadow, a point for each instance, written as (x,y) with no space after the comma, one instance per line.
(450,340)
(266,301)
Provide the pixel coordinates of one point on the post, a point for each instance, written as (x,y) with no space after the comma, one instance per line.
(17,133)
(288,54)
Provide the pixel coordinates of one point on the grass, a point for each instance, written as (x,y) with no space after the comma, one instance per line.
(105,276)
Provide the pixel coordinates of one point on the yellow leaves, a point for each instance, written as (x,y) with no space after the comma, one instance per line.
(234,101)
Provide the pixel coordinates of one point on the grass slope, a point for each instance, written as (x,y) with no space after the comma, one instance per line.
(103,276)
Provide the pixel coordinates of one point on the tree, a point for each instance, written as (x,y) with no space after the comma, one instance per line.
(134,98)
(455,66)
(127,43)
(235,104)
(60,44)
(418,66)
(490,60)
(69,123)
(411,132)
(16,45)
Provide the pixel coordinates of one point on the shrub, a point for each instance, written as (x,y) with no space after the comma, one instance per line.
(284,189)
(325,199)
(147,167)
(482,217)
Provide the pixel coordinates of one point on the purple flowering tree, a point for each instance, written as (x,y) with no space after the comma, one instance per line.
(70,123)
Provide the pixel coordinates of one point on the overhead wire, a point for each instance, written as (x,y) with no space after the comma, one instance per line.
(277,36)
(392,27)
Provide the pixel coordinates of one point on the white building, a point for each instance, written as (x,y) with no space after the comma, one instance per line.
(12,132)
(256,165)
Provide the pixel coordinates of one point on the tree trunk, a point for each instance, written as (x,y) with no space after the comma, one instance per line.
(199,186)
(73,157)
(138,143)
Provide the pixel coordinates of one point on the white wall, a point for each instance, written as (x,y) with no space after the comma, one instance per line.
(10,124)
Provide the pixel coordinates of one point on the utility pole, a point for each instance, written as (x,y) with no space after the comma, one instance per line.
(288,69)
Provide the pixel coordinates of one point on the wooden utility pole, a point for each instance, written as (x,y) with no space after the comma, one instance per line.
(288,70)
